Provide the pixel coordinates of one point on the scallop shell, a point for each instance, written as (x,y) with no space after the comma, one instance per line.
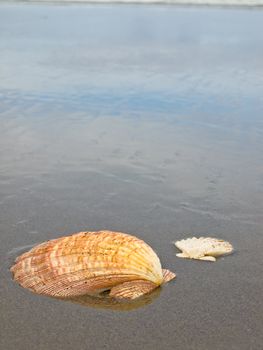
(90,263)
(203,248)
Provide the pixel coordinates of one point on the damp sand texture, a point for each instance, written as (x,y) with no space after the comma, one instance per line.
(139,119)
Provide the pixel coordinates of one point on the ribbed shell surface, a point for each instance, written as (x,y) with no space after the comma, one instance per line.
(86,263)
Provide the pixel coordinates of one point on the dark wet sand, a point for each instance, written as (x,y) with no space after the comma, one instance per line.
(146,120)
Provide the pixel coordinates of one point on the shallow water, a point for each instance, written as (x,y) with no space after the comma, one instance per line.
(146,120)
(250,3)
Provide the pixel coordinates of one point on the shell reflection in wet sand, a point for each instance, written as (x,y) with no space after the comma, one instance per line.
(106,302)
(91,263)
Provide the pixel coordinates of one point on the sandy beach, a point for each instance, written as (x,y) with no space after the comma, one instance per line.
(145,120)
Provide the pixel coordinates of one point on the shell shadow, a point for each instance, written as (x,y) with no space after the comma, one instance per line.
(104,301)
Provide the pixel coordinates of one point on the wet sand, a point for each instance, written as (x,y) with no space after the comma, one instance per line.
(146,120)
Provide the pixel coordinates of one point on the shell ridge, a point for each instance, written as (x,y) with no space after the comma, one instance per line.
(90,285)
(132,290)
(46,266)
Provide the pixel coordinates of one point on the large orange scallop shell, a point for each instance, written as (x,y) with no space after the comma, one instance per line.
(89,263)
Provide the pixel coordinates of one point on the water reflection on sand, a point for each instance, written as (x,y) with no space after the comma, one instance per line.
(145,120)
(108,303)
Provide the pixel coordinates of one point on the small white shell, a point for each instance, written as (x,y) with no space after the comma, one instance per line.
(203,248)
